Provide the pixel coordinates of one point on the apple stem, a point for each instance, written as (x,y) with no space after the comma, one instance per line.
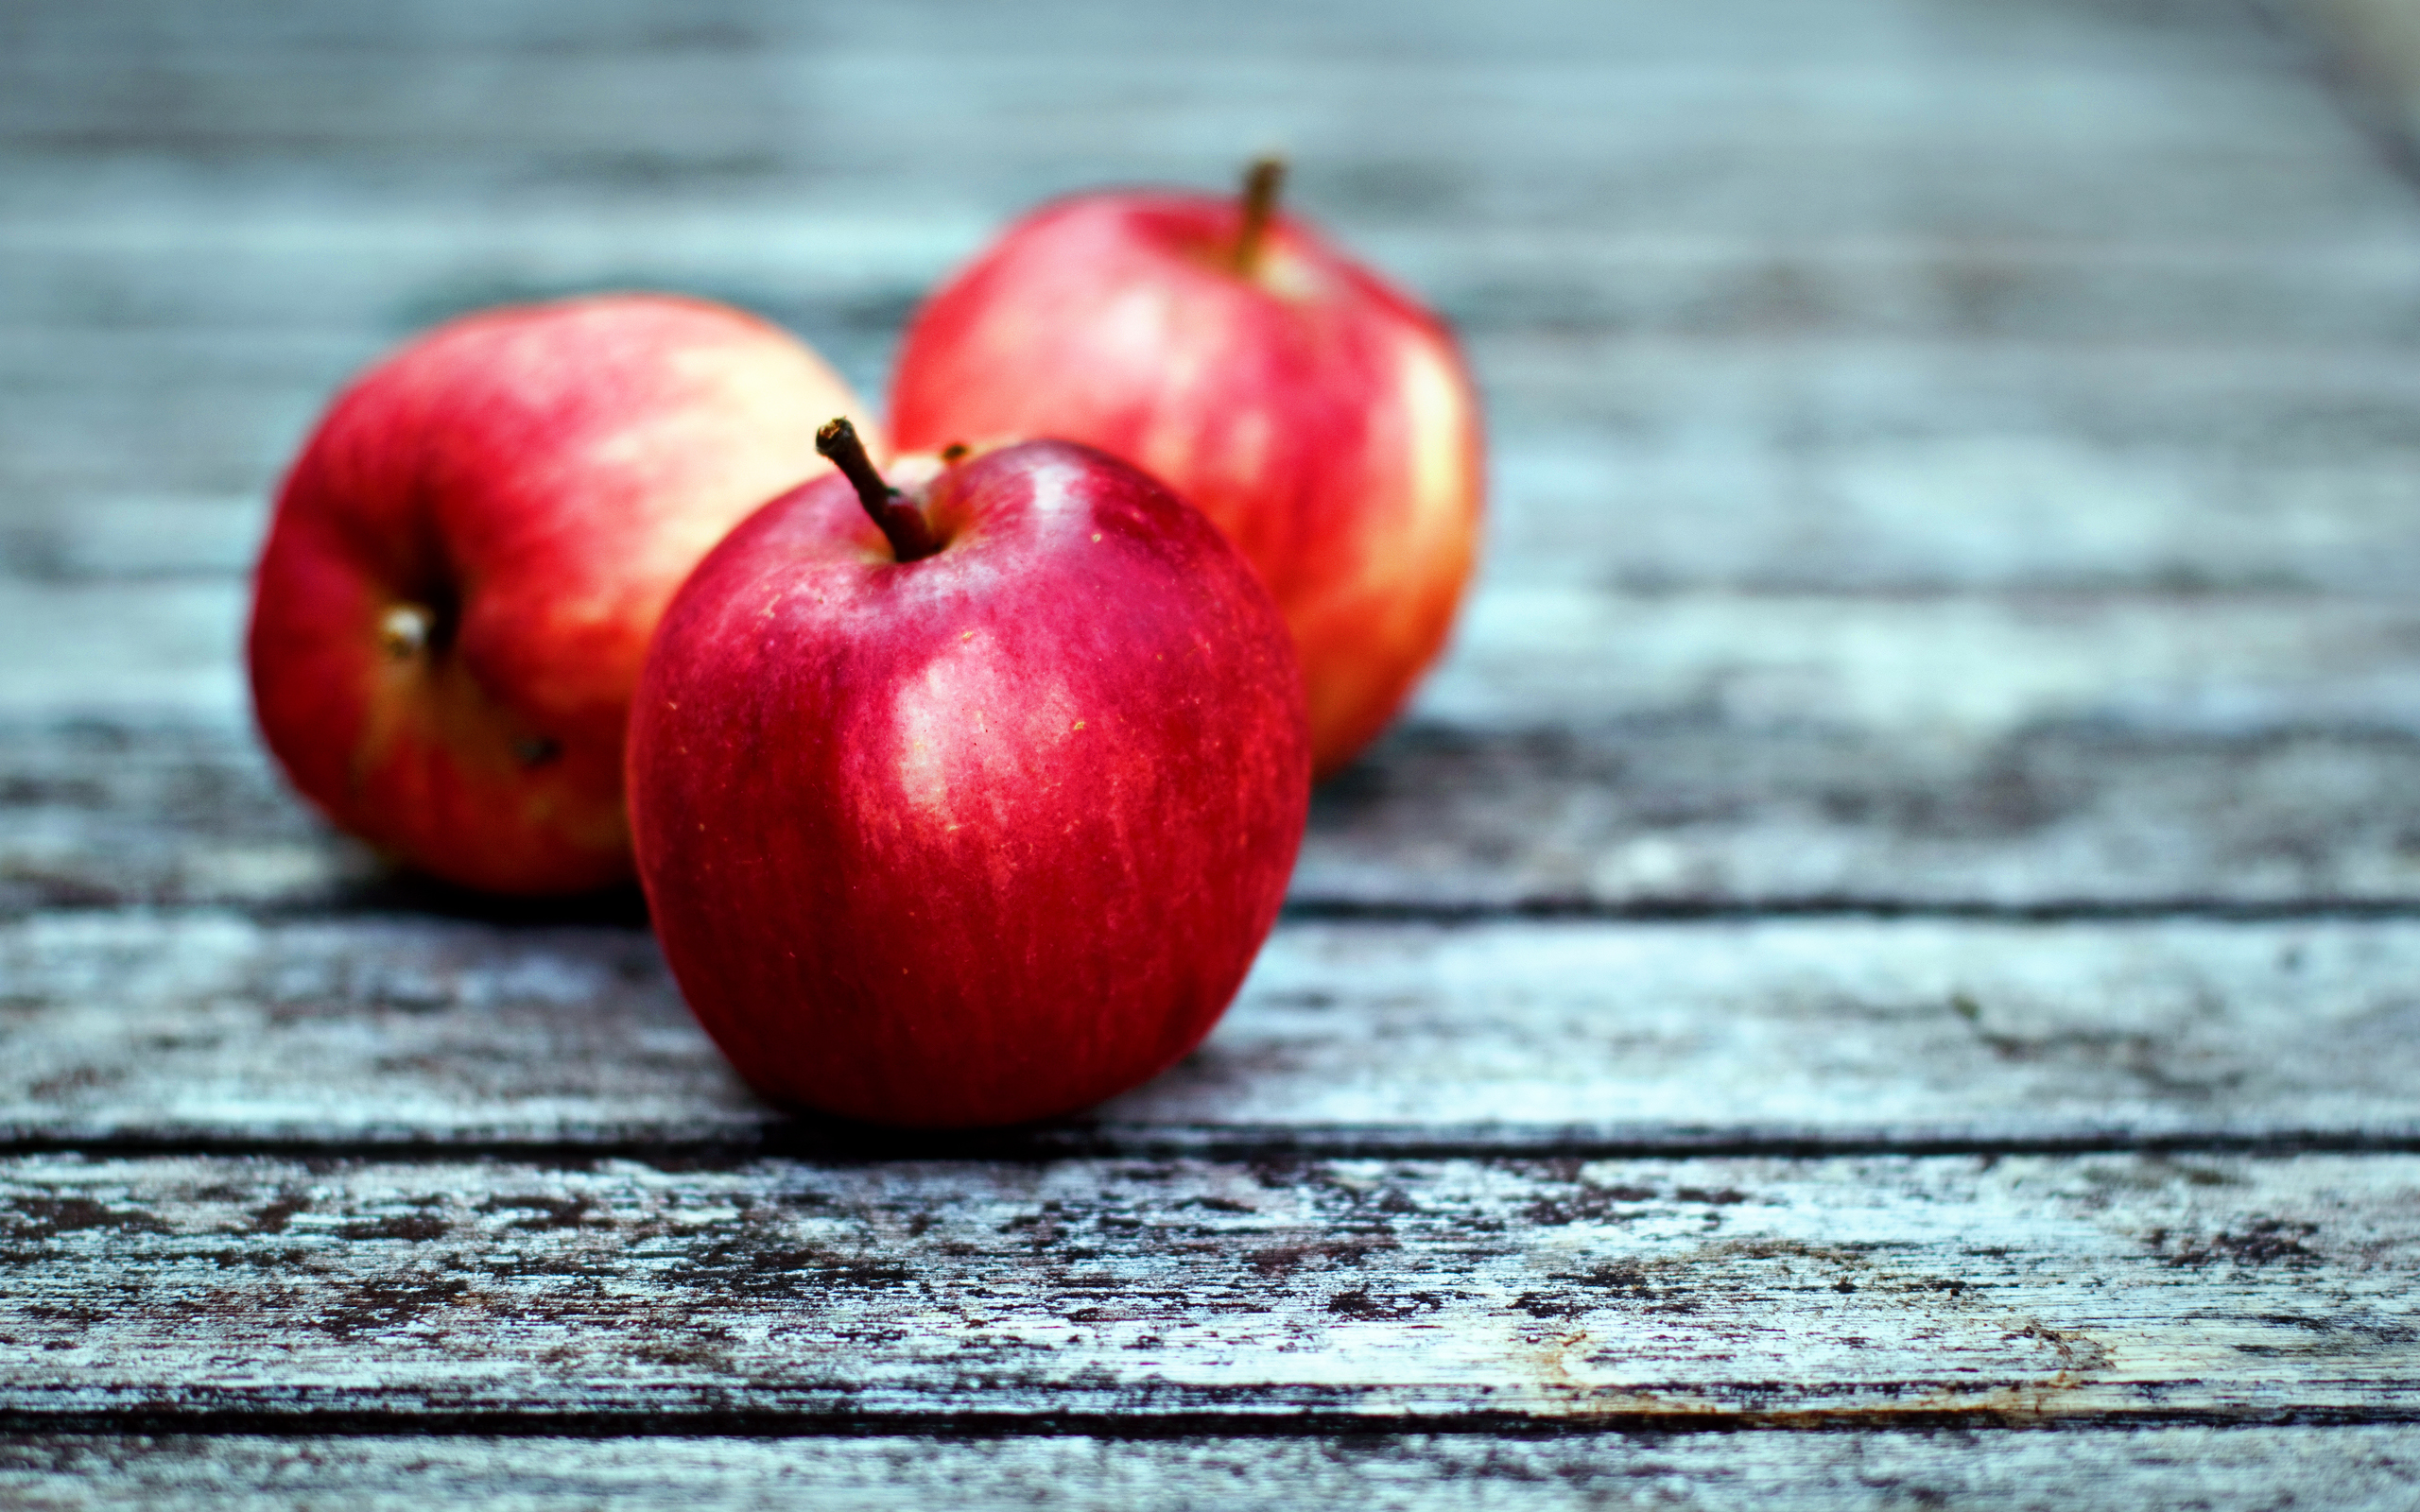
(1261,184)
(901,523)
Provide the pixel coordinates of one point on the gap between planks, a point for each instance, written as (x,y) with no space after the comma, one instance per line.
(2249,1469)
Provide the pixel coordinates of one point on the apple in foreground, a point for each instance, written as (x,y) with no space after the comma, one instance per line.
(1319,417)
(969,802)
(472,549)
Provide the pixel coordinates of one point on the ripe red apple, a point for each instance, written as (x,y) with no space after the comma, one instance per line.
(969,803)
(1320,417)
(472,550)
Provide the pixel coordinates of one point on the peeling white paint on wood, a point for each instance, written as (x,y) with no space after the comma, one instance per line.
(2022,1289)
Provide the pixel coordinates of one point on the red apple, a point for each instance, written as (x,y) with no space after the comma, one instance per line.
(977,817)
(1320,417)
(472,549)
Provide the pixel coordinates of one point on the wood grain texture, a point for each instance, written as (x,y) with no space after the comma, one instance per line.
(1546,658)
(1727,232)
(1952,460)
(1690,815)
(1945,460)
(1632,461)
(2240,1470)
(1579,749)
(135,1029)
(260,1294)
(1707,468)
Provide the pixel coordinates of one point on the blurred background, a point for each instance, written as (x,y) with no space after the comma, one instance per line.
(1918,424)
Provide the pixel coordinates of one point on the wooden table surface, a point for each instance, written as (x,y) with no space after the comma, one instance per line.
(1882,972)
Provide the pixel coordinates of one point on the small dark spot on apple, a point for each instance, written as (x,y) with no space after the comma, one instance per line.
(955,452)
(537,750)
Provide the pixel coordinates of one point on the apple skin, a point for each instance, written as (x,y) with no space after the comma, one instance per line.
(520,491)
(981,837)
(1320,417)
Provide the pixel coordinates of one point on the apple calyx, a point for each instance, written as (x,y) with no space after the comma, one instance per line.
(1262,182)
(901,523)
(404,631)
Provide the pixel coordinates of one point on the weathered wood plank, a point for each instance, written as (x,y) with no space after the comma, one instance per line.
(1969,664)
(1736,500)
(1528,658)
(100,813)
(1577,748)
(174,650)
(2001,502)
(210,314)
(1652,814)
(1897,441)
(86,291)
(120,1029)
(260,1294)
(1877,77)
(2373,1469)
(2213,32)
(2030,316)
(1763,134)
(1698,814)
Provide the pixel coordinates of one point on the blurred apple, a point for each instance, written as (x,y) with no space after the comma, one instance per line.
(472,549)
(1320,417)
